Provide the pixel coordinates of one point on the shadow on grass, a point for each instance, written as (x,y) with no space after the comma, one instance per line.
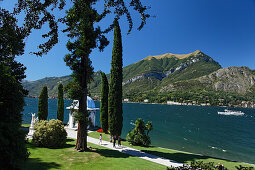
(25,129)
(181,157)
(38,164)
(69,140)
(110,153)
(67,145)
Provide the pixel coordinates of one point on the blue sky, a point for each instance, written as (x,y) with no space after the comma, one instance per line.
(222,29)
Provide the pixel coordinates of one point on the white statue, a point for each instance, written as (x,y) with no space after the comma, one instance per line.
(33,122)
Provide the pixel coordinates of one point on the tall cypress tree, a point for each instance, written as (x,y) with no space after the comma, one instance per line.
(115,92)
(104,102)
(43,104)
(60,111)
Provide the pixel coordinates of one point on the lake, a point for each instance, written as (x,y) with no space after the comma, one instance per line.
(194,129)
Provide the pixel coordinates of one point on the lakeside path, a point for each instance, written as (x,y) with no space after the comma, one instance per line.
(71,133)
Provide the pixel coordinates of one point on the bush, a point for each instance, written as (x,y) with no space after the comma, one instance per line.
(137,136)
(50,134)
(198,165)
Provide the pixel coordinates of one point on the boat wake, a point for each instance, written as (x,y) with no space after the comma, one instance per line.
(213,147)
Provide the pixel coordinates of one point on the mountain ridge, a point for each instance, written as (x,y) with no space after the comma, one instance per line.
(170,55)
(165,74)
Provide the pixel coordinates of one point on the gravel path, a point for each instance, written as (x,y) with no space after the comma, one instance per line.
(166,162)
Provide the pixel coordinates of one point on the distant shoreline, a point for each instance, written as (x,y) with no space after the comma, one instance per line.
(36,97)
(189,105)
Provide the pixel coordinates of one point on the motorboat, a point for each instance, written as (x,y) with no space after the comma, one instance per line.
(231,112)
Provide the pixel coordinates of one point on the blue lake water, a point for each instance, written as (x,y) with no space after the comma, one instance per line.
(187,128)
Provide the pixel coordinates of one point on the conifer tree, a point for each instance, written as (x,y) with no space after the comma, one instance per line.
(115,91)
(60,111)
(43,104)
(104,102)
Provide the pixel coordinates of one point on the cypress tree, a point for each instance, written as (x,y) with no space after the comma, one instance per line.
(115,91)
(60,111)
(104,102)
(43,104)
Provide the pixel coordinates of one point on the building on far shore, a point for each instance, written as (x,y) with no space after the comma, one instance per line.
(173,103)
(126,100)
(146,101)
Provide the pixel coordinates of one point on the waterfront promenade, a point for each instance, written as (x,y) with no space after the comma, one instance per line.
(71,133)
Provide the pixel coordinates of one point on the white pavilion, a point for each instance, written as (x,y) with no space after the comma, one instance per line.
(75,107)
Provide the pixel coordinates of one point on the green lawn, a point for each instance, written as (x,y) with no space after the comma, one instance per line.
(181,157)
(98,158)
(25,125)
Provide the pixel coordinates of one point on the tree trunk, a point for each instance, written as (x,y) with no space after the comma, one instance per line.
(83,119)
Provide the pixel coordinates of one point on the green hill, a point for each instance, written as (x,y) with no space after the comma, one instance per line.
(35,87)
(177,77)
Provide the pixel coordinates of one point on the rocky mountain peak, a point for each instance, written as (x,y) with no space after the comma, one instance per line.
(177,56)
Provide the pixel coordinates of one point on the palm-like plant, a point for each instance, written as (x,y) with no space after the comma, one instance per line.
(148,127)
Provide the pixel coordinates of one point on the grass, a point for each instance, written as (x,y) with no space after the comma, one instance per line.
(97,158)
(181,157)
(25,125)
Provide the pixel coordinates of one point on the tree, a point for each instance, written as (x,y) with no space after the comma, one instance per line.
(43,104)
(13,150)
(115,91)
(104,102)
(149,127)
(80,21)
(60,111)
(137,136)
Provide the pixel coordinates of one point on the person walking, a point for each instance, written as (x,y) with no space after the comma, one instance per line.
(114,141)
(119,141)
(100,139)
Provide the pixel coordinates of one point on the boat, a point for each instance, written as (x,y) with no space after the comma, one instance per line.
(231,112)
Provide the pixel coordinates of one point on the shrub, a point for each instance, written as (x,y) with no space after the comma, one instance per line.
(199,165)
(50,134)
(137,136)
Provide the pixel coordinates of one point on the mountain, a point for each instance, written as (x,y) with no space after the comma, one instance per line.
(169,77)
(35,87)
(231,79)
(155,71)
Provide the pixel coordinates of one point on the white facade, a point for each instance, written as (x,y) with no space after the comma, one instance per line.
(146,101)
(74,108)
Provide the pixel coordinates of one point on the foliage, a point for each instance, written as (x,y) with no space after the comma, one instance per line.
(38,13)
(148,127)
(50,134)
(12,139)
(104,102)
(137,136)
(240,167)
(206,166)
(115,119)
(43,104)
(73,89)
(60,110)
(197,165)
